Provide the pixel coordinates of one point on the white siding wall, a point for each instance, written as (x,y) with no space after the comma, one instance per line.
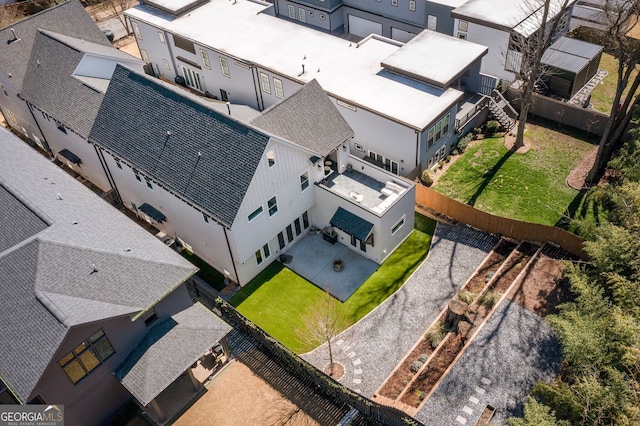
(269,99)
(90,167)
(207,240)
(157,51)
(384,136)
(102,67)
(282,180)
(497,41)
(13,107)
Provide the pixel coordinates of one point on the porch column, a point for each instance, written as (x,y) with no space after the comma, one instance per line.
(196,384)
(225,347)
(159,414)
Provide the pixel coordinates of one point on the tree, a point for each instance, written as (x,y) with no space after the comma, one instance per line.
(321,324)
(525,52)
(116,7)
(621,17)
(537,414)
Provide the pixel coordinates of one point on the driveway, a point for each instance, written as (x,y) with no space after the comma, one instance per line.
(371,348)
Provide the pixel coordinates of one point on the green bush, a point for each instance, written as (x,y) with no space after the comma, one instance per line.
(435,335)
(489,299)
(492,127)
(464,142)
(476,130)
(428,177)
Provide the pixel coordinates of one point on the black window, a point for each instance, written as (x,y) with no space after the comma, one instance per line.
(184,43)
(281,242)
(363,246)
(298,228)
(305,220)
(289,233)
(354,241)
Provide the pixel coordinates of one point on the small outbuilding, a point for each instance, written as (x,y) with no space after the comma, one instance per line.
(572,63)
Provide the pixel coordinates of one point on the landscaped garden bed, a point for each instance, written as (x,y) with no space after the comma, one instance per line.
(413,381)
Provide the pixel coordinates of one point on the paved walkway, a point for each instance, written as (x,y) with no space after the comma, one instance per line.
(372,348)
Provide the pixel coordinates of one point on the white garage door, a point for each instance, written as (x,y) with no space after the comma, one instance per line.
(401,35)
(363,27)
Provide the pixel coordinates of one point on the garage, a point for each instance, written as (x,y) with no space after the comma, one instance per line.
(363,27)
(401,35)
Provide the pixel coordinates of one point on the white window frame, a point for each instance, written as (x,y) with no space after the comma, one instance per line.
(224,67)
(412,5)
(144,56)
(205,58)
(292,11)
(398,225)
(136,30)
(193,78)
(272,207)
(304,181)
(432,22)
(302,14)
(271,158)
(254,214)
(394,2)
(166,64)
(463,26)
(278,89)
(161,37)
(388,164)
(265,83)
(263,253)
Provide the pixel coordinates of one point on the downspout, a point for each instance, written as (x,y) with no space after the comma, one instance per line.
(417,150)
(257,85)
(38,126)
(233,262)
(107,172)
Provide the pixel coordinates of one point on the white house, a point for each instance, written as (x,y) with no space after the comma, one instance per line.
(497,24)
(239,193)
(400,100)
(57,83)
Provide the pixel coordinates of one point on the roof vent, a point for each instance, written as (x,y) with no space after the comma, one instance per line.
(95,269)
(15,37)
(127,250)
(75,222)
(59,196)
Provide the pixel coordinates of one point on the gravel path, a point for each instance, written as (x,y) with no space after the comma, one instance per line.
(513,351)
(371,348)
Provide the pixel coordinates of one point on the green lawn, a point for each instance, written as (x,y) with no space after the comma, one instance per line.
(529,187)
(278,298)
(602,96)
(206,272)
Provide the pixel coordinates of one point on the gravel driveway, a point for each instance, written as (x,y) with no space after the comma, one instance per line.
(371,348)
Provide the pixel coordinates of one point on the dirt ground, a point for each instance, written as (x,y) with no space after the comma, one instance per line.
(238,397)
(543,288)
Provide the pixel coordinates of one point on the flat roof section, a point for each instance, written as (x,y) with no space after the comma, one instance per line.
(570,54)
(345,70)
(428,57)
(174,7)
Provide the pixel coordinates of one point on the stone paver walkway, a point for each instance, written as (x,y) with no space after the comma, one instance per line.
(371,348)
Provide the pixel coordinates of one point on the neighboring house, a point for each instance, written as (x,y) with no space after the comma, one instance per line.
(64,84)
(16,44)
(401,101)
(83,292)
(239,193)
(499,24)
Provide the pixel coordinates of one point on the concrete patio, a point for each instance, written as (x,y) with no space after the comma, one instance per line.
(312,258)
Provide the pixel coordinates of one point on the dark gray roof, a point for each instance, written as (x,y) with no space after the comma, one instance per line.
(209,158)
(47,284)
(308,119)
(68,18)
(351,224)
(29,331)
(570,54)
(16,211)
(168,349)
(50,85)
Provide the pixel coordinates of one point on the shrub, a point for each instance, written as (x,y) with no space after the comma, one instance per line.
(428,177)
(489,299)
(492,127)
(415,366)
(435,335)
(463,143)
(476,130)
(448,158)
(467,296)
(423,357)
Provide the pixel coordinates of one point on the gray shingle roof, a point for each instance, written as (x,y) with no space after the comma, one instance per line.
(15,211)
(307,118)
(570,54)
(168,349)
(49,84)
(67,18)
(29,331)
(209,158)
(45,285)
(351,224)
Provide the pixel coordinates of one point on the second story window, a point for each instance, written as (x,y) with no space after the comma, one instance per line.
(136,30)
(205,58)
(304,181)
(271,158)
(272,204)
(86,356)
(264,82)
(224,66)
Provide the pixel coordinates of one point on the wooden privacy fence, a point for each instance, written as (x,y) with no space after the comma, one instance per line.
(511,228)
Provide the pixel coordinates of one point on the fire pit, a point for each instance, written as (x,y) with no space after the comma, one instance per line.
(338,265)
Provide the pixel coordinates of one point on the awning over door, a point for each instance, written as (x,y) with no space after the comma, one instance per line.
(152,212)
(70,156)
(351,224)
